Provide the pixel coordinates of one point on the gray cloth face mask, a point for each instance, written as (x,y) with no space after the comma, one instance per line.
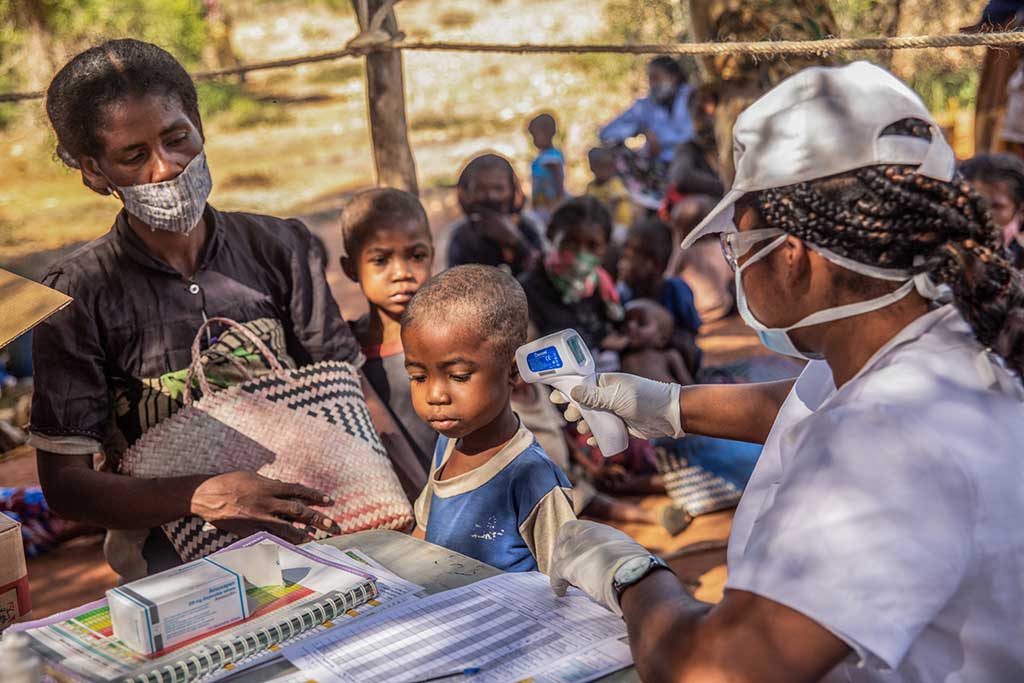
(174,205)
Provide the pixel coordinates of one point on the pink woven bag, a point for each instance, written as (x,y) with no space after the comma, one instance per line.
(308,425)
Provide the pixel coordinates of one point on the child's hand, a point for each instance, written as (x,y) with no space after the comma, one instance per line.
(497,227)
(616,341)
(612,477)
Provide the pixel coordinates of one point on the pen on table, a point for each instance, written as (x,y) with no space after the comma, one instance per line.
(471,671)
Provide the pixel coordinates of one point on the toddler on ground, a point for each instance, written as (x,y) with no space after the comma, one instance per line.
(650,328)
(389,253)
(642,275)
(492,492)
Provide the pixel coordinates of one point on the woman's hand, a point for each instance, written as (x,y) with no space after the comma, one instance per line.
(245,502)
(650,409)
(653,144)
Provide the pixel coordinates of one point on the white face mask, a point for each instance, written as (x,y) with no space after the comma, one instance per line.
(777,338)
(175,205)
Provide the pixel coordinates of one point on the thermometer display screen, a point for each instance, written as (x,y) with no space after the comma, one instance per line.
(576,346)
(544,359)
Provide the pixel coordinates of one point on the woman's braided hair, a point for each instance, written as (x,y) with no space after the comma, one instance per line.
(893,217)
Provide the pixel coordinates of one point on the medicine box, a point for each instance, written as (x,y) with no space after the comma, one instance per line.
(14,595)
(178,605)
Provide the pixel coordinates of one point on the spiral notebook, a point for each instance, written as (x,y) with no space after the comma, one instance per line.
(79,645)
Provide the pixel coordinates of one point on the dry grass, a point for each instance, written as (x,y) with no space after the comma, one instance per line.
(285,159)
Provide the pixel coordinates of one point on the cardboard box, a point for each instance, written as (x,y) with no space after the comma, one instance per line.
(15,601)
(177,605)
(26,304)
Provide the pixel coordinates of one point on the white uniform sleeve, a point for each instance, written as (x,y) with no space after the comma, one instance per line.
(868,532)
(540,528)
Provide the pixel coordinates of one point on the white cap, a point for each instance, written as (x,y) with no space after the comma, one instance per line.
(821,122)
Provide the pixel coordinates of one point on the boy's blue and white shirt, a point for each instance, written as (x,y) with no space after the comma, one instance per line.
(505,513)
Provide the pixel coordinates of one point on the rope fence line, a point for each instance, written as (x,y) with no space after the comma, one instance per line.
(374,39)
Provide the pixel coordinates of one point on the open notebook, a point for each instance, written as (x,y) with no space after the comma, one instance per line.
(79,645)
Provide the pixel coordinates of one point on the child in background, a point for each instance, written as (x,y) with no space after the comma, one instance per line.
(608,187)
(649,352)
(642,275)
(389,253)
(570,289)
(492,494)
(495,230)
(999,178)
(547,172)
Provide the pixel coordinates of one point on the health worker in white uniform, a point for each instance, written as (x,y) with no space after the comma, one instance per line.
(881,536)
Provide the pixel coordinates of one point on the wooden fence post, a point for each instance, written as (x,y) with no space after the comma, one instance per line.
(385,100)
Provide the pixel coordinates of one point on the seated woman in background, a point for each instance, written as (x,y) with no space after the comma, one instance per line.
(569,288)
(661,117)
(495,230)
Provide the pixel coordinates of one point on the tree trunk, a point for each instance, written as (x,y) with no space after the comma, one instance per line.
(738,80)
(35,61)
(385,97)
(883,18)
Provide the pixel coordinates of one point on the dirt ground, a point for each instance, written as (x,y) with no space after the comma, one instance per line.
(309,144)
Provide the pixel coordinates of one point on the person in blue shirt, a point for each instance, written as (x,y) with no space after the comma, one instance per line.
(662,117)
(642,276)
(492,494)
(547,172)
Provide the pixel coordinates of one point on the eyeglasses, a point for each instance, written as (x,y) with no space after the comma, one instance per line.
(735,245)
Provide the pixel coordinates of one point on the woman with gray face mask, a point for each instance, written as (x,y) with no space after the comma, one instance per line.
(113,363)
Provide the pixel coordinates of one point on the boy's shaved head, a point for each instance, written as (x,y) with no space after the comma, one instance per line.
(485,298)
(372,210)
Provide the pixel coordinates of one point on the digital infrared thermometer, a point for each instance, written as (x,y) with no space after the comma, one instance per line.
(562,361)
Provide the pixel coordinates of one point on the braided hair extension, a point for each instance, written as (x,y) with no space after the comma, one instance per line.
(890,215)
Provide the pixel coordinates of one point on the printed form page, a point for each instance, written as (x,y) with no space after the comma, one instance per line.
(511,627)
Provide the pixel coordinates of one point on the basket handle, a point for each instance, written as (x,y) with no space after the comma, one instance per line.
(196,368)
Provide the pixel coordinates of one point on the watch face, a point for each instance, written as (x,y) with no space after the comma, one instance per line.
(632,570)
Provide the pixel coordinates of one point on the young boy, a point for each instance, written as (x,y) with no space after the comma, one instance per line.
(492,493)
(548,169)
(642,275)
(608,188)
(389,253)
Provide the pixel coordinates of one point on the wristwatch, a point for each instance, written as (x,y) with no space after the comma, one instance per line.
(635,569)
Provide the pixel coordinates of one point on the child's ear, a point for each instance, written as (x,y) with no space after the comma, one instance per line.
(513,373)
(349,266)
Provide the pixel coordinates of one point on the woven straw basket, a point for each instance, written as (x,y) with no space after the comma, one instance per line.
(308,426)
